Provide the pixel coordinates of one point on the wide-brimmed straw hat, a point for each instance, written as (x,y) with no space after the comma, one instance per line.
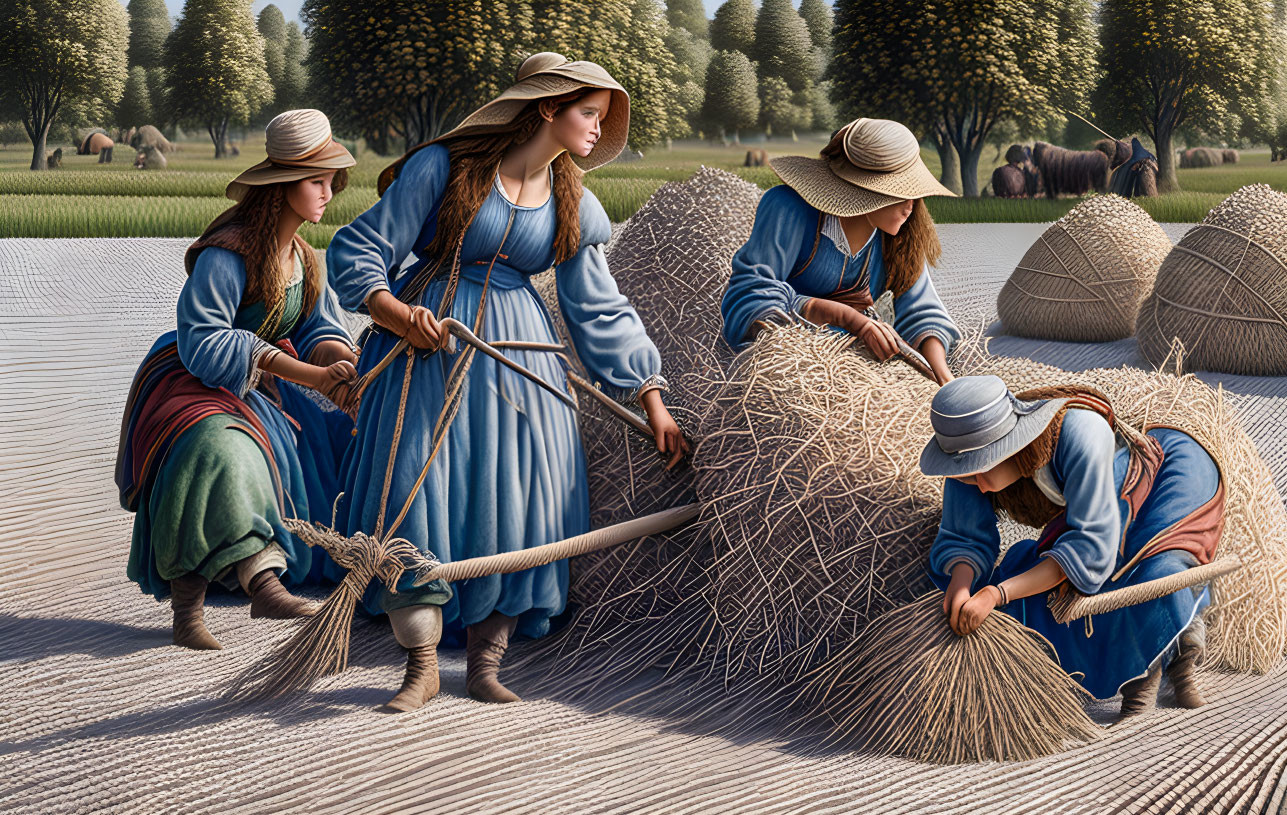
(299,145)
(874,163)
(545,75)
(978,423)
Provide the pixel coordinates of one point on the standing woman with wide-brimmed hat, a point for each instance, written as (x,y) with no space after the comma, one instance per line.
(217,444)
(480,210)
(840,231)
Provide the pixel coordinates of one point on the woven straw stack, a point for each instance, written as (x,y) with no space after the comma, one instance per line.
(1084,278)
(1222,291)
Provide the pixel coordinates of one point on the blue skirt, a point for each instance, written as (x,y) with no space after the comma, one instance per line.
(510,474)
(1108,650)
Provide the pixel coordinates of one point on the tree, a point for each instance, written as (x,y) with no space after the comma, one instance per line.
(733,28)
(60,57)
(818,18)
(149,26)
(691,54)
(293,88)
(1168,65)
(782,44)
(628,40)
(953,70)
(272,27)
(731,100)
(407,68)
(214,59)
(689,15)
(779,112)
(822,114)
(135,107)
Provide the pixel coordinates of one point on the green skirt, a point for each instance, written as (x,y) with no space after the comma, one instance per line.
(212,504)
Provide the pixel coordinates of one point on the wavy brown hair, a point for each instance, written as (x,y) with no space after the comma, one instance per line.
(1023,500)
(251,227)
(915,245)
(475,160)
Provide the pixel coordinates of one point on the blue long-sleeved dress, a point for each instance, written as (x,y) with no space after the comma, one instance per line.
(773,270)
(212,499)
(511,473)
(1088,470)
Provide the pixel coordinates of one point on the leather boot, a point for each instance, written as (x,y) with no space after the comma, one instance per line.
(187,596)
(418,629)
(1140,695)
(1183,669)
(485,645)
(269,599)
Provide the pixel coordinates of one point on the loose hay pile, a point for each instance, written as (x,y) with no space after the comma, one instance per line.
(1247,623)
(913,688)
(1222,291)
(1084,278)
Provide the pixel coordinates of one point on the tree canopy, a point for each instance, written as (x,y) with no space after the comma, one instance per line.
(733,27)
(689,15)
(60,58)
(1169,64)
(732,101)
(214,59)
(782,45)
(135,107)
(149,26)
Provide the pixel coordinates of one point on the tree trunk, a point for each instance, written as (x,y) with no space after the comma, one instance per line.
(950,161)
(1166,179)
(216,131)
(970,170)
(38,159)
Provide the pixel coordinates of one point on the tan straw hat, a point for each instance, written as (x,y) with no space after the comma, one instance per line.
(299,145)
(548,74)
(873,163)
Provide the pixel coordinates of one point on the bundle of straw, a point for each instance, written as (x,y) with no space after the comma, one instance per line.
(911,687)
(1247,622)
(1222,291)
(1084,278)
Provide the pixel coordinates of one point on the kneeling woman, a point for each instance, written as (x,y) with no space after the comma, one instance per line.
(1115,514)
(214,453)
(839,232)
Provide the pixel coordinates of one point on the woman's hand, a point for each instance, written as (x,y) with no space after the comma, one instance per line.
(879,337)
(333,381)
(329,351)
(417,325)
(958,592)
(976,610)
(665,431)
(936,355)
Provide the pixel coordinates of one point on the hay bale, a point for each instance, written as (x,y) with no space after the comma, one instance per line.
(1222,291)
(911,687)
(1247,623)
(1200,157)
(1084,278)
(147,134)
(1229,156)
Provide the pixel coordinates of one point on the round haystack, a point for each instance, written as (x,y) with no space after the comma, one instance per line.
(1222,291)
(1229,156)
(1084,278)
(1200,157)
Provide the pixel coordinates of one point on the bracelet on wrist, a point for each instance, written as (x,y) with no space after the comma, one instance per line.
(1005,599)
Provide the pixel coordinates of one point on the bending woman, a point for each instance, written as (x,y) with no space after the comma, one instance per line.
(1113,513)
(483,209)
(215,450)
(839,232)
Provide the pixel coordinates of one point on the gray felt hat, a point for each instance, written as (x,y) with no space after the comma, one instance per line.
(978,423)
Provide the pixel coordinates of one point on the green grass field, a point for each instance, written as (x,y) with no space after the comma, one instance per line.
(88,199)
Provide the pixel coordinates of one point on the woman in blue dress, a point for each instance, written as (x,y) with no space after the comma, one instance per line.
(1116,510)
(480,211)
(839,232)
(217,444)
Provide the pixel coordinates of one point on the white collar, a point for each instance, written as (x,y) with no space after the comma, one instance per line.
(832,229)
(1046,483)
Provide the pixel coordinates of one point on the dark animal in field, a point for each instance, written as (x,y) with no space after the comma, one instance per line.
(86,141)
(147,134)
(55,159)
(1008,182)
(1200,157)
(1229,156)
(756,157)
(1070,172)
(1137,177)
(1118,151)
(94,144)
(150,158)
